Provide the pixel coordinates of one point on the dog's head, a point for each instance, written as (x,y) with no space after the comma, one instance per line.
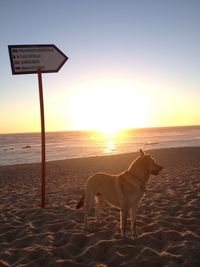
(150,164)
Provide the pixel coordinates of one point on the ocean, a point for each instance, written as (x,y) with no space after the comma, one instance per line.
(26,147)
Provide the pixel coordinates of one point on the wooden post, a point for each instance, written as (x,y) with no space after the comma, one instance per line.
(43,167)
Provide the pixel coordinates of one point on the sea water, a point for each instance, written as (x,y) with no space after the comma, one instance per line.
(26,147)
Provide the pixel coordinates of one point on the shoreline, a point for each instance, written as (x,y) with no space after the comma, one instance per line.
(99,156)
(168,219)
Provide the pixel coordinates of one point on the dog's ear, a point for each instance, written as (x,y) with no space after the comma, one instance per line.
(142,153)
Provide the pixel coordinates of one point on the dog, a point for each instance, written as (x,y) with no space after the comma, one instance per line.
(124,190)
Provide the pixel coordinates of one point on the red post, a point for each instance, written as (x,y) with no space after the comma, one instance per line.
(43,169)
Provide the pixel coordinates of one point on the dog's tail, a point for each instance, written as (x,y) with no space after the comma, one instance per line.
(81,202)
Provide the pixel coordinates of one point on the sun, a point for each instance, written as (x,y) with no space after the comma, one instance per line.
(109,108)
(110,130)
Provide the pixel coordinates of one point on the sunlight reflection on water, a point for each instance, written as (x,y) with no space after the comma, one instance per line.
(110,147)
(112,141)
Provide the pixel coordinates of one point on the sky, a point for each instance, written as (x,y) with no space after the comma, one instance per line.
(131,64)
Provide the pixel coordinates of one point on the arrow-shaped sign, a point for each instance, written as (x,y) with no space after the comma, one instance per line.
(26,59)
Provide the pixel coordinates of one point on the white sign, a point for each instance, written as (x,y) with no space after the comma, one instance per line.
(26,59)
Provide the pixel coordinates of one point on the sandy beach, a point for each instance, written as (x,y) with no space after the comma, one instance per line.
(168,220)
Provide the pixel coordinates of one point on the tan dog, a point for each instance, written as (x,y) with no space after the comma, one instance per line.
(124,190)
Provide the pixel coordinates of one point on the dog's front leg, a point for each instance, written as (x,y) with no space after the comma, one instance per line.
(123,221)
(133,220)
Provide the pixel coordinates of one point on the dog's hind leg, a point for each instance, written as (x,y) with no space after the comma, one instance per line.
(98,208)
(87,208)
(88,199)
(86,220)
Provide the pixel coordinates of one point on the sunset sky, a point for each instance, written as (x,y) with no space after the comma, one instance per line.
(131,64)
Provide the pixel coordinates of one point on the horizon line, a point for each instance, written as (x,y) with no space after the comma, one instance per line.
(95,130)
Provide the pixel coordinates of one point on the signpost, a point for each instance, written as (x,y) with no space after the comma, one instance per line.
(29,59)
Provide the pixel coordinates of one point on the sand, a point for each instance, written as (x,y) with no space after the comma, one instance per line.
(168,220)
